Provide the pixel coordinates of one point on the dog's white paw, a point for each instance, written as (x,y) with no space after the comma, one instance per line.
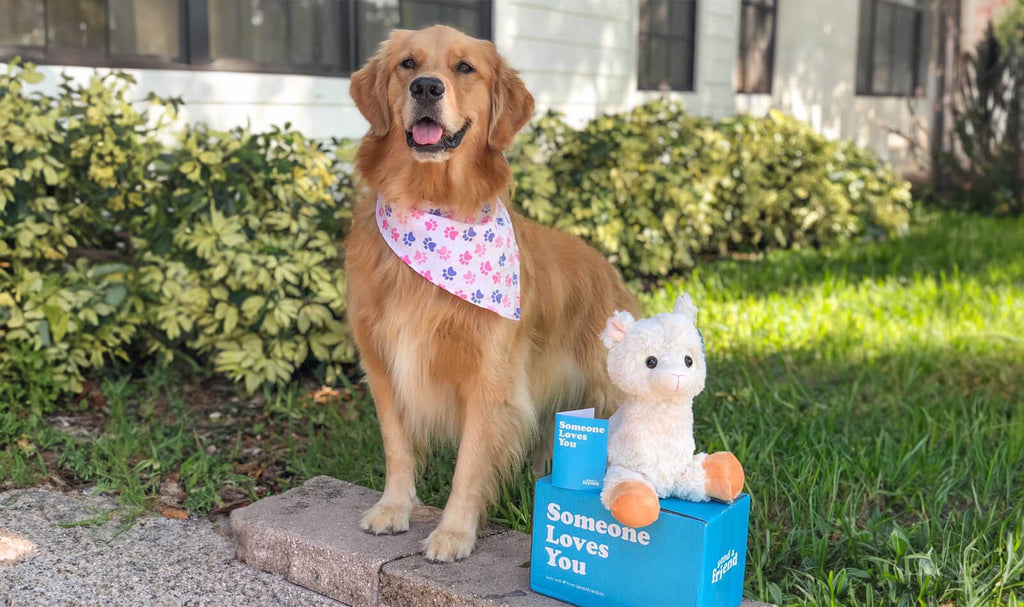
(386,518)
(447,545)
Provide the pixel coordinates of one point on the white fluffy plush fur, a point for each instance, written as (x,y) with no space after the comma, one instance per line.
(651,435)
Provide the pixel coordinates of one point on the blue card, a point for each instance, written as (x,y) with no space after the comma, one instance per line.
(581,450)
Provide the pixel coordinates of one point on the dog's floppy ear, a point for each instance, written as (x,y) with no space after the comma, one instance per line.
(369,87)
(511,105)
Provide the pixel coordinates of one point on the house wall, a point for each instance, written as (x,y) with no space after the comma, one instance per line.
(580,57)
(815,80)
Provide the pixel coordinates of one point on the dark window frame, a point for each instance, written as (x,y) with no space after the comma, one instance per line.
(690,38)
(194,42)
(866,87)
(762,6)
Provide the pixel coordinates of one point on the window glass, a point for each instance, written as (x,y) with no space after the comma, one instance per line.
(22,23)
(78,24)
(145,27)
(665,45)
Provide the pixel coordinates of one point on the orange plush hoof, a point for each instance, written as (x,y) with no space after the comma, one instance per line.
(724,476)
(634,504)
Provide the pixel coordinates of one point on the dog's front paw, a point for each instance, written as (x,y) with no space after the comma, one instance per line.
(447,545)
(386,518)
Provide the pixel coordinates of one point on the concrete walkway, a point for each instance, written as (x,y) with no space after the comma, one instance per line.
(308,535)
(156,561)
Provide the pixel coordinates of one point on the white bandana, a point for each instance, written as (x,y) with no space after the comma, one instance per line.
(475,259)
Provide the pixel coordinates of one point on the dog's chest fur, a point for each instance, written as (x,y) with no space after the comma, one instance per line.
(439,350)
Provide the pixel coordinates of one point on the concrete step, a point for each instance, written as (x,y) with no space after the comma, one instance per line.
(311,536)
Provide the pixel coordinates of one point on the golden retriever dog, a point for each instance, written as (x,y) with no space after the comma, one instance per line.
(442,108)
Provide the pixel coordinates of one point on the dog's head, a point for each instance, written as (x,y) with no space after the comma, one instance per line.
(442,93)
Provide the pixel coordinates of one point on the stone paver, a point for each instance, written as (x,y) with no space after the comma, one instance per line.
(311,536)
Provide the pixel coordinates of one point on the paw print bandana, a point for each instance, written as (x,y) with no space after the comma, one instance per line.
(475,258)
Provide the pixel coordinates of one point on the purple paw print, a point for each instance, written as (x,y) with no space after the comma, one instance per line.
(449,273)
(501,221)
(451,233)
(429,244)
(469,234)
(444,253)
(476,296)
(489,235)
(435,212)
(409,238)
(502,260)
(387,210)
(496,297)
(465,258)
(516,313)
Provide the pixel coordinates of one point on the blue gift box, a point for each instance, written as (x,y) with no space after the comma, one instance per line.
(694,554)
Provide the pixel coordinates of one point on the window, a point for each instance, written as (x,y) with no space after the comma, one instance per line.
(757,46)
(330,37)
(667,33)
(889,57)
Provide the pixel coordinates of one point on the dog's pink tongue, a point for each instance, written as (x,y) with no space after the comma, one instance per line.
(426,133)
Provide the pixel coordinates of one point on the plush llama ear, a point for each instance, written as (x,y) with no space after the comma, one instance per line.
(616,329)
(684,305)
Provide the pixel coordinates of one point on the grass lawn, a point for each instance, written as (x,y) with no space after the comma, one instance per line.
(872,392)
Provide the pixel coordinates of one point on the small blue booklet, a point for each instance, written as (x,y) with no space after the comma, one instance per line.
(581,450)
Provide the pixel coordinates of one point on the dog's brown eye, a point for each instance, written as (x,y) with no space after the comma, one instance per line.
(464,68)
(409,64)
(651,362)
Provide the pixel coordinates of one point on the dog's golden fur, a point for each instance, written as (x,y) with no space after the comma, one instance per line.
(439,367)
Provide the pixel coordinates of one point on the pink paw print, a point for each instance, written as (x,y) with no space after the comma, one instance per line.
(426,274)
(469,277)
(499,241)
(451,233)
(508,281)
(395,235)
(496,278)
(465,258)
(416,213)
(444,253)
(406,260)
(384,224)
(480,249)
(486,268)
(431,225)
(419,257)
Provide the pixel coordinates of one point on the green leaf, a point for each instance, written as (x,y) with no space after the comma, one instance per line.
(56,321)
(115,294)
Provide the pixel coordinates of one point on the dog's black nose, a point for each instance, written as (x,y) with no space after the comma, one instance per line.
(427,88)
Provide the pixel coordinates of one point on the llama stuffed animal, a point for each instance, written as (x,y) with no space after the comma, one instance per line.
(658,363)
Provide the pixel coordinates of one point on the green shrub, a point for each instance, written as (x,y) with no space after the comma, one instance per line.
(122,236)
(655,188)
(114,243)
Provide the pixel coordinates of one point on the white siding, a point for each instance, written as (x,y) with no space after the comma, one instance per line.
(580,56)
(318,106)
(815,80)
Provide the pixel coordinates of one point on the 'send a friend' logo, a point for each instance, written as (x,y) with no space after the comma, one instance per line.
(729,560)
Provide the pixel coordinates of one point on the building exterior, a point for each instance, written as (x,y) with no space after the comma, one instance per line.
(864,70)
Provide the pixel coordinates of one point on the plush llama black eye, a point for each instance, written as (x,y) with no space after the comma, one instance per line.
(688,361)
(464,68)
(409,64)
(652,362)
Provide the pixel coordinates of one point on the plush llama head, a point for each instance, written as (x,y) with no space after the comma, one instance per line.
(657,359)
